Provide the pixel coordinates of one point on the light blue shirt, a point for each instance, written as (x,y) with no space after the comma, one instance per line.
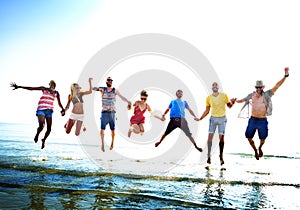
(177,108)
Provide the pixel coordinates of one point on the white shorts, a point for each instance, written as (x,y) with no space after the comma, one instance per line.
(74,116)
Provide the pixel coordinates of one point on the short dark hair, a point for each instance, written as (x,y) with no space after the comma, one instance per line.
(144,93)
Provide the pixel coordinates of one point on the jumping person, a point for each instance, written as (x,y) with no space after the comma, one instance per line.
(177,118)
(216,102)
(77,113)
(109,94)
(45,107)
(137,120)
(261,108)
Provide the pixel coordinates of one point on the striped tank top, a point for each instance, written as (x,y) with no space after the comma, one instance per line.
(108,100)
(47,100)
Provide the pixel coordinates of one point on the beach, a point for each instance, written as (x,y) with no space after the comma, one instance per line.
(63,176)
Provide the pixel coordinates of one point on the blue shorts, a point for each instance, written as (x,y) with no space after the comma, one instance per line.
(108,118)
(217,121)
(260,124)
(45,112)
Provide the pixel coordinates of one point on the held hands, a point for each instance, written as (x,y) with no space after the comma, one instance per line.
(196,119)
(129,105)
(63,112)
(233,100)
(14,85)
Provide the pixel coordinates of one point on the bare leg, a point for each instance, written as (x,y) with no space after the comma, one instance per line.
(209,144)
(129,132)
(142,130)
(78,127)
(260,152)
(69,125)
(161,139)
(102,140)
(112,139)
(135,130)
(49,125)
(251,142)
(193,141)
(41,120)
(221,147)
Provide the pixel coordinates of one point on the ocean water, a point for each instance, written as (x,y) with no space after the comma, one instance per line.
(63,176)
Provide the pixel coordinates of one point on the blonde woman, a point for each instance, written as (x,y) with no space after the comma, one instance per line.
(77,113)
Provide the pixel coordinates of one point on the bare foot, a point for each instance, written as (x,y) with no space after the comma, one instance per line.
(221,160)
(102,148)
(43,144)
(157,143)
(208,160)
(260,152)
(129,133)
(36,138)
(198,148)
(84,129)
(256,155)
(111,147)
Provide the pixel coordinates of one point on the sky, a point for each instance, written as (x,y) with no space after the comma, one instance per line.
(243,40)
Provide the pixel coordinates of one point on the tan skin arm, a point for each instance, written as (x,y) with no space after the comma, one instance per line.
(280,82)
(277,85)
(205,113)
(91,88)
(149,108)
(240,101)
(68,103)
(83,93)
(122,97)
(192,113)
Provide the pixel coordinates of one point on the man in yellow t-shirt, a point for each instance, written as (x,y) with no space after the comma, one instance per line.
(217,103)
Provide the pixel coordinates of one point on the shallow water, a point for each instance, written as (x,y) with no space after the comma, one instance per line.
(63,177)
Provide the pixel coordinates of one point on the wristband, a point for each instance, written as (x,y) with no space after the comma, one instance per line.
(286,75)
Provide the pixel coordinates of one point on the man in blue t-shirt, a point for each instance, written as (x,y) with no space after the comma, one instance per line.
(177,118)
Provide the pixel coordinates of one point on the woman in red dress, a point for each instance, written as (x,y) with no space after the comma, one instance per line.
(138,119)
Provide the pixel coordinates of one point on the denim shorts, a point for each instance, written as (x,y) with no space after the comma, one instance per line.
(45,112)
(217,121)
(108,118)
(259,124)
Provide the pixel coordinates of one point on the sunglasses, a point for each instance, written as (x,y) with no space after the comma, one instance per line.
(109,80)
(258,87)
(144,99)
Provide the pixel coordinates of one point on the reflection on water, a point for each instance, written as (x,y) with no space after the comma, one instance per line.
(213,192)
(260,198)
(62,178)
